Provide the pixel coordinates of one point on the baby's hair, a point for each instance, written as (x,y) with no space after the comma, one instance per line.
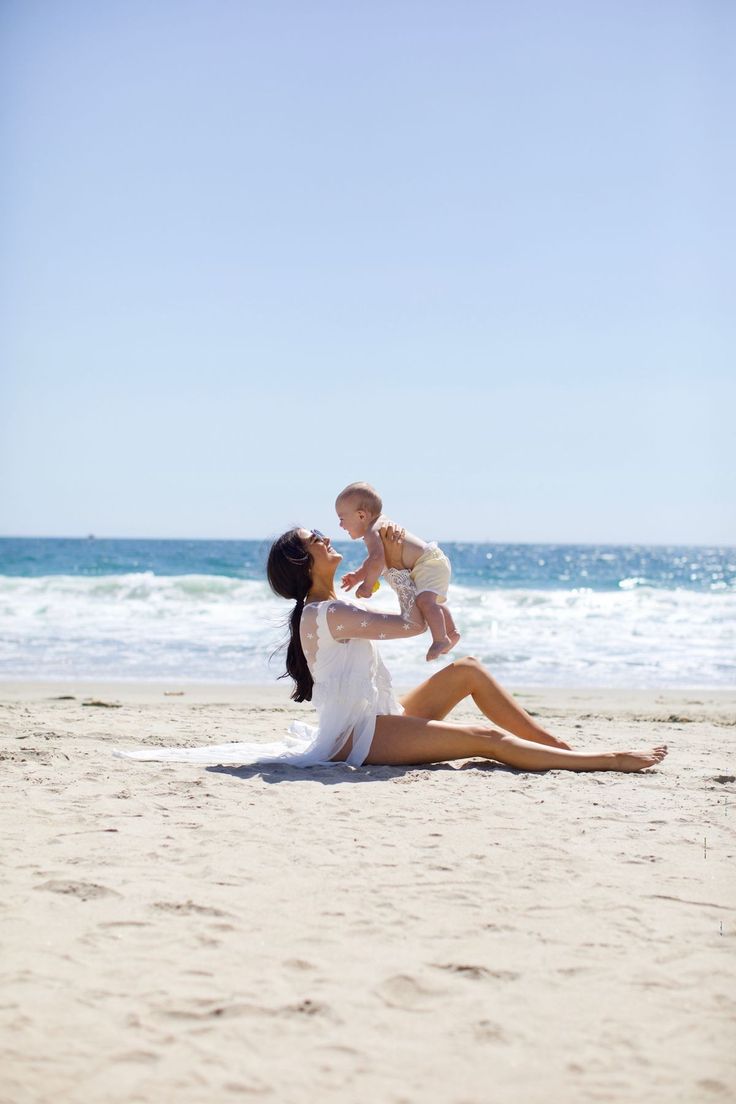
(363,497)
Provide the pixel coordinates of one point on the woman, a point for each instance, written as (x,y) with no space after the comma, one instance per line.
(332,659)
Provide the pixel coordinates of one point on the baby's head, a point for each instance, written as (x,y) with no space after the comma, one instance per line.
(357,507)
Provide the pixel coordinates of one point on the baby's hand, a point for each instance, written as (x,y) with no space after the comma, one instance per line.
(364,591)
(348,581)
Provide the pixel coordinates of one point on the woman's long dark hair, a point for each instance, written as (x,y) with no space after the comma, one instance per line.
(289,573)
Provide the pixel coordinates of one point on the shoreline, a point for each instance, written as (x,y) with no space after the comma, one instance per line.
(12,688)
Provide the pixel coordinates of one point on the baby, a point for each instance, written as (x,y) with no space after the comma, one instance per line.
(359,510)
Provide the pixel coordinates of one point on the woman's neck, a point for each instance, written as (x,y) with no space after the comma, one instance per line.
(322,588)
(321,592)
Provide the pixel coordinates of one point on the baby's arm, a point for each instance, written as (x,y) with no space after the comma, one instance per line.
(375,561)
(350,578)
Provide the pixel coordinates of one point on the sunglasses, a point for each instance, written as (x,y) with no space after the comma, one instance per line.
(318,536)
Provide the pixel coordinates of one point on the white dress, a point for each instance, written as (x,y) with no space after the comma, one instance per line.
(351,688)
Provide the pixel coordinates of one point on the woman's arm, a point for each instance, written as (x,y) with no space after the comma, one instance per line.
(392,539)
(348,622)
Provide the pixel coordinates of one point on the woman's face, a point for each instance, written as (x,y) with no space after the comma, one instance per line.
(320,550)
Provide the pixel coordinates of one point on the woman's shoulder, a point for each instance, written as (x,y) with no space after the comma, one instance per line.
(328,605)
(329,611)
(339,614)
(332,604)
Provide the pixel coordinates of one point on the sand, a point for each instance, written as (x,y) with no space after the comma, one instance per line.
(462,933)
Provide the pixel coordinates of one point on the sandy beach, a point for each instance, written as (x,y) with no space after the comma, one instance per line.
(464,933)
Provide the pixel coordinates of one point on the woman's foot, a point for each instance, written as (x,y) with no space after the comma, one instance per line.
(438,648)
(639,760)
(453,638)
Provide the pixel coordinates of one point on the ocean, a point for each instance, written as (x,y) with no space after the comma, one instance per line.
(535,614)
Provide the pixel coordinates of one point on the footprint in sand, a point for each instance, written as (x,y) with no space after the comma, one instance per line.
(307,1007)
(477,973)
(486,1031)
(299,964)
(209,1010)
(187,908)
(710,1085)
(83,891)
(136,1056)
(124,924)
(252,1087)
(402,991)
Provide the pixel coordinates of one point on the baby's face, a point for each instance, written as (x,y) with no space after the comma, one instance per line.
(355,522)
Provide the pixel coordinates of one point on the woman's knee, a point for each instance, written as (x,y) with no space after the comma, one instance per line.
(470,671)
(487,739)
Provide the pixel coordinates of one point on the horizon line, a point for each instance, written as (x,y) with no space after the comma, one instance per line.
(90,537)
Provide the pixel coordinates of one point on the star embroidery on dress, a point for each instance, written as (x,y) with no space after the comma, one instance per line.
(381,636)
(331,609)
(406,628)
(364,624)
(339,627)
(310,636)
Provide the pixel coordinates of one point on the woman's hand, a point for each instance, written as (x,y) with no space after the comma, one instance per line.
(392,538)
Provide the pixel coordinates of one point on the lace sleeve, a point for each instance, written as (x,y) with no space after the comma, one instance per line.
(347,622)
(308,634)
(400,580)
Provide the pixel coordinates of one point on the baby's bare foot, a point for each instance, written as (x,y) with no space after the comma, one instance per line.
(436,649)
(452,639)
(639,760)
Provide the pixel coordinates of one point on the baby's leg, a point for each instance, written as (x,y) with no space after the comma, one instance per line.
(452,634)
(432,613)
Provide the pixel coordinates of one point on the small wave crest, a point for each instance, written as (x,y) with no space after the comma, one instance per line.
(214,627)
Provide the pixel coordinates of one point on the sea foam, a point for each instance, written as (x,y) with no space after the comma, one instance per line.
(141,625)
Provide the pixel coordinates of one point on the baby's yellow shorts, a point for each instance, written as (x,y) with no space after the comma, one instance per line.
(432,572)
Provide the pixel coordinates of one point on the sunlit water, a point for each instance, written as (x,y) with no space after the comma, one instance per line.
(556,615)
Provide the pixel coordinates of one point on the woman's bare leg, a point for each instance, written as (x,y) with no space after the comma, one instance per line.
(466,677)
(405,741)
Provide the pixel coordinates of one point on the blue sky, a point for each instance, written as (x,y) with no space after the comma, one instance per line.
(479,254)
